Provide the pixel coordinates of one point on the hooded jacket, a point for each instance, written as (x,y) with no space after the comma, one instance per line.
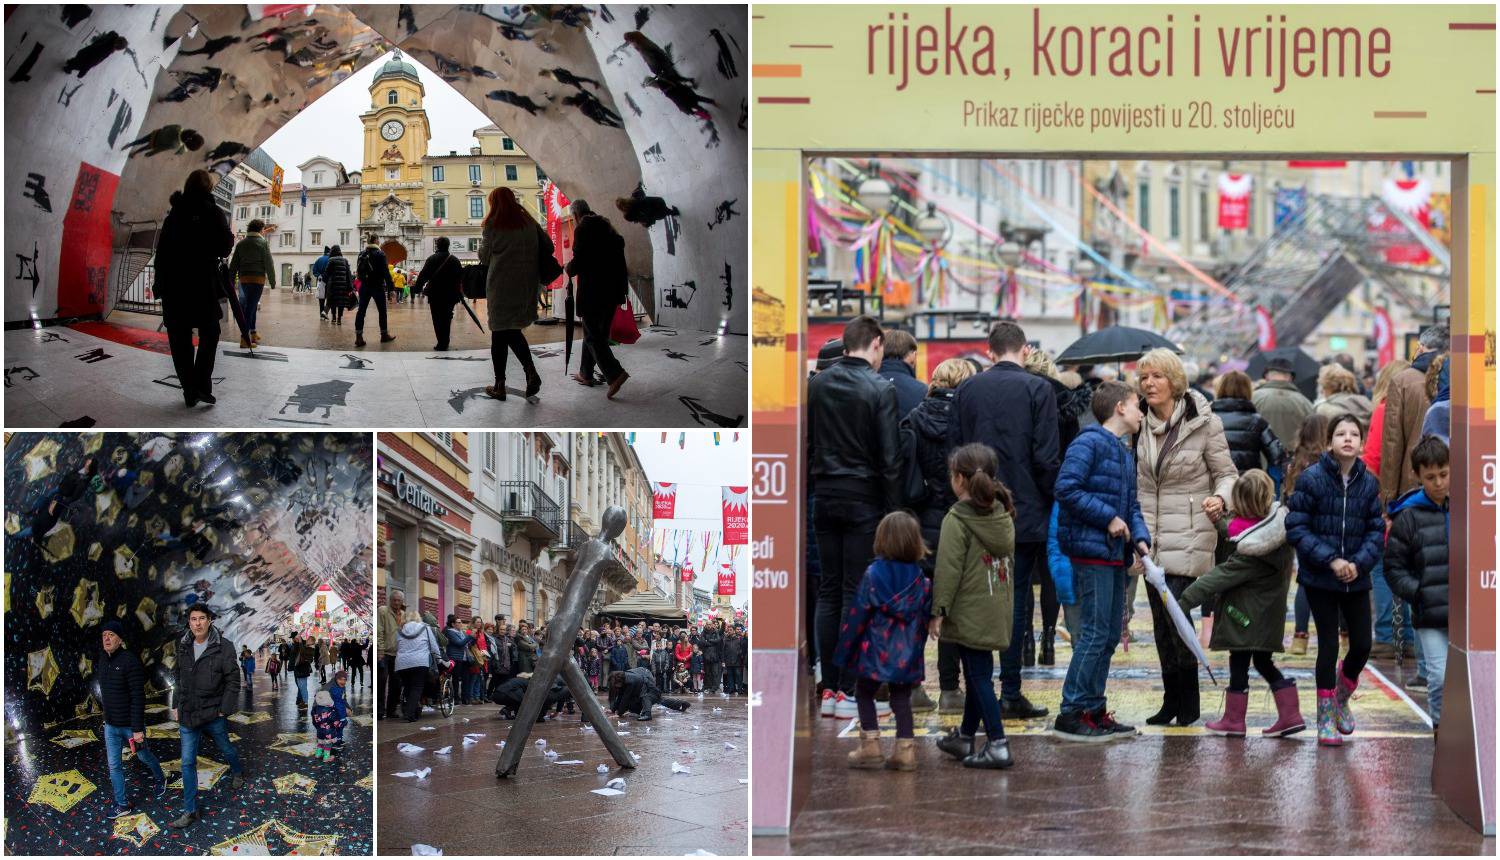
(1438,419)
(194,237)
(1284,407)
(208,687)
(885,629)
(1251,586)
(1097,482)
(971,585)
(415,646)
(1015,413)
(1196,465)
(1328,519)
(909,389)
(924,430)
(122,689)
(1416,557)
(1249,435)
(1405,408)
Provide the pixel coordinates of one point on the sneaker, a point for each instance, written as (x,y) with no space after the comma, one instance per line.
(844,708)
(826,708)
(159,790)
(1106,720)
(882,709)
(1080,726)
(1417,683)
(116,811)
(1020,708)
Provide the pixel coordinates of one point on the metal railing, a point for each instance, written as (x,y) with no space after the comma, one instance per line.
(526,500)
(140,294)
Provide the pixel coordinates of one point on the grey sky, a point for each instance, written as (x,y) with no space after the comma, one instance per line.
(330,126)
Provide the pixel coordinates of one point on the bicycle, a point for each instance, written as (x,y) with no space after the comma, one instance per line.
(446,697)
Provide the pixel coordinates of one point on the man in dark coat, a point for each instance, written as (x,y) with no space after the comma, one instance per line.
(205,693)
(1015,413)
(854,463)
(509,695)
(736,655)
(374,273)
(194,236)
(635,692)
(441,278)
(122,692)
(712,644)
(598,264)
(900,366)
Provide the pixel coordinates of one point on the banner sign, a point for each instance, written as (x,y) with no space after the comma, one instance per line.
(687,571)
(1411,197)
(663,500)
(276,176)
(1234,200)
(726,580)
(736,516)
(1291,204)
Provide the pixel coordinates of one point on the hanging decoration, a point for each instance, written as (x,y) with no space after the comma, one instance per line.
(1265,329)
(1234,200)
(726,579)
(1413,198)
(1291,206)
(1385,337)
(736,516)
(664,500)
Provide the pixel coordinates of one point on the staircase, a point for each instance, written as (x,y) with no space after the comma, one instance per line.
(1305,269)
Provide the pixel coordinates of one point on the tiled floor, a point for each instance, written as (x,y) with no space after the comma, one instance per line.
(116,376)
(546,808)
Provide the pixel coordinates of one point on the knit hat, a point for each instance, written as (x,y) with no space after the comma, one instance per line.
(322,699)
(832,351)
(115,627)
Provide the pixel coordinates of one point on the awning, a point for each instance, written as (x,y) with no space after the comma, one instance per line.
(645,606)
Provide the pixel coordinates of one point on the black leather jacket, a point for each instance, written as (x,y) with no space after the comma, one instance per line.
(852,439)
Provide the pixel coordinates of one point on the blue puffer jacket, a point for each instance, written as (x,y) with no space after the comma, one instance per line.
(1097,482)
(1327,519)
(1058,564)
(458,644)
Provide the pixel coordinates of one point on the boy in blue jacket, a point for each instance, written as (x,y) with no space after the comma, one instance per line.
(1098,521)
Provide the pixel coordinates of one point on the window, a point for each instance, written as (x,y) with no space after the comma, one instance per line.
(445,438)
(316,238)
(390,97)
(1202,215)
(317,177)
(1174,214)
(473,243)
(476,207)
(437,173)
(1143,206)
(489,452)
(510,173)
(540,176)
(346,207)
(474,174)
(507,144)
(286,240)
(291,209)
(393,173)
(244,212)
(318,208)
(343,237)
(440,207)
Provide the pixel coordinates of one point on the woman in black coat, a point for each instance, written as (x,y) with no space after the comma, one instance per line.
(194,236)
(1249,435)
(441,279)
(339,281)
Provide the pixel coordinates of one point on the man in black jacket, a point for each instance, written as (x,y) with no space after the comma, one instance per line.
(712,643)
(735,654)
(603,282)
(374,273)
(900,367)
(854,463)
(1015,413)
(122,692)
(441,277)
(205,693)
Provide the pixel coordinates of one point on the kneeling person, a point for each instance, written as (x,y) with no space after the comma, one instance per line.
(635,691)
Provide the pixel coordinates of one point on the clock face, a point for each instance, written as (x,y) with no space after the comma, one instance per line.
(391,130)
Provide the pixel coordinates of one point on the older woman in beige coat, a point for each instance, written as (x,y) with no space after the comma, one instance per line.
(1184,475)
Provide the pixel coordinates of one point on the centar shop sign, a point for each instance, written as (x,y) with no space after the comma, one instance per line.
(413,494)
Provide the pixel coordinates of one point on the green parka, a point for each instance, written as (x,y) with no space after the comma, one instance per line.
(1252,587)
(252,256)
(971,586)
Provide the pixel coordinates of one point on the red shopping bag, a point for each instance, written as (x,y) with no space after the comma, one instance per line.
(623,329)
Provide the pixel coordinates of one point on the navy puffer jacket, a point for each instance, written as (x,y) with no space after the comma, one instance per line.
(1328,519)
(1096,483)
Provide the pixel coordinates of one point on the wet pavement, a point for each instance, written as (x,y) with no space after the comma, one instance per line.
(1168,791)
(550,808)
(57,789)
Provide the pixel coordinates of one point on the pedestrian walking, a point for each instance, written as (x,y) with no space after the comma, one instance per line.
(603,285)
(205,692)
(339,285)
(194,236)
(374,275)
(121,681)
(511,248)
(1416,562)
(252,266)
(302,667)
(441,279)
(319,273)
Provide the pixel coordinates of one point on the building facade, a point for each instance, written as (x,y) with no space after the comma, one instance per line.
(607,472)
(457,186)
(298,233)
(424,528)
(520,481)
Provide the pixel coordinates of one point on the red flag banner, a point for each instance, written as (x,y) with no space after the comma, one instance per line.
(726,580)
(663,500)
(1265,329)
(559,227)
(736,516)
(1234,200)
(687,571)
(1385,337)
(1414,198)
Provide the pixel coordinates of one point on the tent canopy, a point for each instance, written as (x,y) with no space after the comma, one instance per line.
(645,606)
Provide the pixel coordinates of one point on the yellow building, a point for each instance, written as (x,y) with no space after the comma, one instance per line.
(457,186)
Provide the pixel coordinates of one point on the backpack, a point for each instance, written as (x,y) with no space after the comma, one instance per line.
(366,268)
(911,484)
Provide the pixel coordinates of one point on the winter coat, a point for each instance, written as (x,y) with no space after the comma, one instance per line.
(1015,413)
(971,585)
(194,236)
(1097,482)
(385,630)
(736,652)
(598,263)
(326,722)
(1072,405)
(512,692)
(511,287)
(683,652)
(1327,519)
(251,261)
(1405,407)
(205,688)
(525,654)
(637,695)
(1346,402)
(122,689)
(885,628)
(925,430)
(1171,495)
(375,274)
(661,659)
(441,279)
(340,280)
(304,660)
(1416,557)
(1371,454)
(1251,584)
(1059,566)
(712,644)
(853,443)
(619,657)
(340,705)
(909,390)
(1439,415)
(1284,408)
(415,646)
(695,664)
(456,643)
(1252,442)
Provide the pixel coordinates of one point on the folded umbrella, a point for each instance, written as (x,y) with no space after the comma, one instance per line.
(569,305)
(1157,579)
(472,316)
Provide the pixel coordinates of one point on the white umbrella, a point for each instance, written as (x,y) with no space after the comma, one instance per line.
(1157,579)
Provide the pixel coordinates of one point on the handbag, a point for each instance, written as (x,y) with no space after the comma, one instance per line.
(473,280)
(622,328)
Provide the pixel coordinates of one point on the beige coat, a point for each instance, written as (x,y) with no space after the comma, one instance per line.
(1196,466)
(1405,407)
(1349,402)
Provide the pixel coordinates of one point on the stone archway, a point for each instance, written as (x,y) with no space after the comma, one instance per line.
(395,252)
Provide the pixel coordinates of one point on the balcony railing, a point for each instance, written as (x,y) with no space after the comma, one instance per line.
(524,502)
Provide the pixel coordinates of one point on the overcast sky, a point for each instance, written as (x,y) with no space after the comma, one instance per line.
(330,126)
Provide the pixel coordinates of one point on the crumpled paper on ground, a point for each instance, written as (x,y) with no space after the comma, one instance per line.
(420,850)
(409,749)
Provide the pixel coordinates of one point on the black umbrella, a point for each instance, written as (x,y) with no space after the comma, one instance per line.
(465,303)
(1304,367)
(1115,343)
(568,308)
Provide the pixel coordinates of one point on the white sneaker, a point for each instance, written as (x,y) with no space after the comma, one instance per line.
(844,708)
(882,709)
(826,708)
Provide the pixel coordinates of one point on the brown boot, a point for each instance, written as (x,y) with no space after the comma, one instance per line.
(867,755)
(905,756)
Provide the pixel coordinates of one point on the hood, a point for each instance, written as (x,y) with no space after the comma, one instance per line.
(1416,497)
(1071,402)
(322,699)
(1096,429)
(1349,399)
(930,418)
(429,619)
(1266,536)
(988,528)
(889,579)
(412,629)
(1231,404)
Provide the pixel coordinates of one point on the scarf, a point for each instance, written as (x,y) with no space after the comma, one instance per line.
(1155,436)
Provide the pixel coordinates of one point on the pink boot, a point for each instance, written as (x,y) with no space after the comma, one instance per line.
(1343,716)
(1232,724)
(1288,712)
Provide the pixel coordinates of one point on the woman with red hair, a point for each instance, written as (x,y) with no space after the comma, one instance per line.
(512,247)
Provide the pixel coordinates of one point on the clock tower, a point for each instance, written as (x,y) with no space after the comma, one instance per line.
(396,134)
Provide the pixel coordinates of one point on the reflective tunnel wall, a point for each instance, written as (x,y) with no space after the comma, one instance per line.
(663,111)
(281,513)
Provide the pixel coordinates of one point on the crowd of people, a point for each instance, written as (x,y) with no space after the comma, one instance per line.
(935,508)
(199,265)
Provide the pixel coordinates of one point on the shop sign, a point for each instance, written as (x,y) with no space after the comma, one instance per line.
(413,494)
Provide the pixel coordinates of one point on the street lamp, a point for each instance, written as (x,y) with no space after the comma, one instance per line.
(932,227)
(875,193)
(1085,269)
(1009,253)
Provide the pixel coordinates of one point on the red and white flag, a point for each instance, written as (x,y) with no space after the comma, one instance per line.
(1265,329)
(736,516)
(663,500)
(1234,200)
(687,571)
(1412,197)
(1385,338)
(726,579)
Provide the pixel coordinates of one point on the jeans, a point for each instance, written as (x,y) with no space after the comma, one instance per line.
(367,294)
(476,687)
(1101,604)
(250,301)
(732,682)
(302,691)
(218,730)
(1385,602)
(979,696)
(1435,652)
(115,739)
(845,531)
(1031,557)
(388,694)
